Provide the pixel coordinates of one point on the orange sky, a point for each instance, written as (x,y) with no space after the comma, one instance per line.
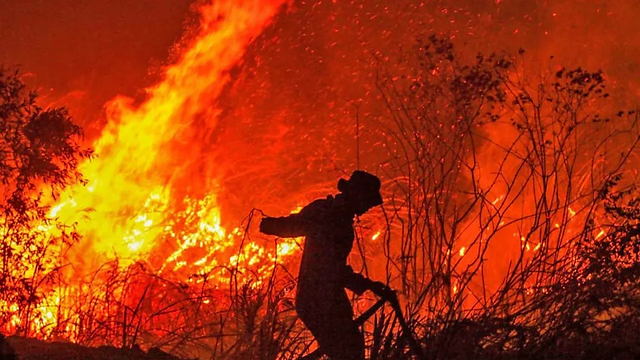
(101,48)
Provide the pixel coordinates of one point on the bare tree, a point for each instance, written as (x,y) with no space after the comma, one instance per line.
(498,174)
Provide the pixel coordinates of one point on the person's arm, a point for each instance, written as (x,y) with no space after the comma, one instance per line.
(293,225)
(355,282)
(359,284)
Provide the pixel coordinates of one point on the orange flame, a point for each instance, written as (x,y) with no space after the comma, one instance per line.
(135,180)
(135,195)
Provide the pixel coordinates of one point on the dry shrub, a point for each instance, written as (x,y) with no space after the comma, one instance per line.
(505,231)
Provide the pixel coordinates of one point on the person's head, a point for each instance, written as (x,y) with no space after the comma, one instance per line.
(361,191)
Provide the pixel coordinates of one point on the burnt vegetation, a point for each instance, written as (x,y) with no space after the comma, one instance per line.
(511,211)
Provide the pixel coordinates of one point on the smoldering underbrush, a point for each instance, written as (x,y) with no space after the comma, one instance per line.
(131,307)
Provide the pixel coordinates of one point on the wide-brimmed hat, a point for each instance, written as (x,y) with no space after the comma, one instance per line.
(363,184)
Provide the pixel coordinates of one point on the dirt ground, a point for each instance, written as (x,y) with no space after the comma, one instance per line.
(17,348)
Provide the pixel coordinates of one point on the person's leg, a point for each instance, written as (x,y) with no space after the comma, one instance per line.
(330,320)
(345,342)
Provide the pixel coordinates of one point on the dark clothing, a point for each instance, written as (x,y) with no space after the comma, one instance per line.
(321,301)
(329,317)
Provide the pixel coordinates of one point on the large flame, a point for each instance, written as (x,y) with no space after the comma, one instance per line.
(144,153)
(139,204)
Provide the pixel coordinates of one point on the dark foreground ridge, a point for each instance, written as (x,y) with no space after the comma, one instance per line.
(18,348)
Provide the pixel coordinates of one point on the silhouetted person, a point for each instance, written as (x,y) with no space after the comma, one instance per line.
(327,224)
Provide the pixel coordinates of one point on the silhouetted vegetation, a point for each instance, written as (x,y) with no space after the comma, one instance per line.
(39,154)
(507,233)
